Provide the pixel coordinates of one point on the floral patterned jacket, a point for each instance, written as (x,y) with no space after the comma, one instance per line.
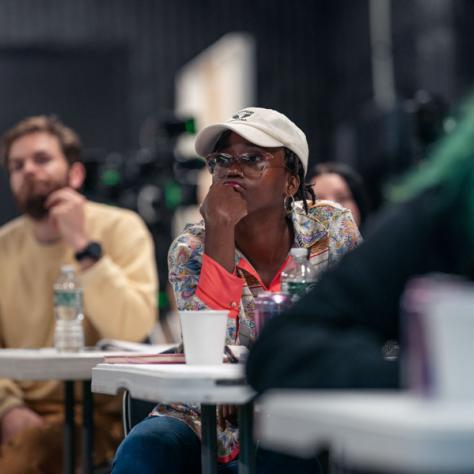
(327,231)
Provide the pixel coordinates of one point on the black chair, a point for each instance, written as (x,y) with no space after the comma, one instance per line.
(134,411)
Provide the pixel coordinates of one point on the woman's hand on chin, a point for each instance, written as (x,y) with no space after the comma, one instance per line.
(224,205)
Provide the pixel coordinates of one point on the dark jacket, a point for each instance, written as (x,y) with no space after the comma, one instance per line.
(332,338)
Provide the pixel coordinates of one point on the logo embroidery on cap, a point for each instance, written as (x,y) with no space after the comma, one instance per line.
(242,115)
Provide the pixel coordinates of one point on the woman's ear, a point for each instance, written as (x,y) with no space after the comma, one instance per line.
(292,185)
(77,175)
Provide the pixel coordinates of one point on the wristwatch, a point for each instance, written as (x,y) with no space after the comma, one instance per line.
(92,250)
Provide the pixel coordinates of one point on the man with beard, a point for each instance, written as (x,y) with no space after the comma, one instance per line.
(113,254)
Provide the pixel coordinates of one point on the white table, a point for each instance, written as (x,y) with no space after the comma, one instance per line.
(391,432)
(48,364)
(207,385)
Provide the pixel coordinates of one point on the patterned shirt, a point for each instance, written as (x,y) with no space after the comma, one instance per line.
(199,282)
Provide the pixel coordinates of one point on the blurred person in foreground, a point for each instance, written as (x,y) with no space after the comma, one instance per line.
(338,329)
(113,254)
(256,210)
(340,183)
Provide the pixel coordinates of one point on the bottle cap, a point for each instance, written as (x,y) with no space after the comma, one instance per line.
(67,269)
(299,252)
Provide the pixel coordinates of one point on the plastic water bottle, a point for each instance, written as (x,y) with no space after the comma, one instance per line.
(298,277)
(68,308)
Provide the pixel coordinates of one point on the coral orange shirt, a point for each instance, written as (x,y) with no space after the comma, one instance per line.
(219,289)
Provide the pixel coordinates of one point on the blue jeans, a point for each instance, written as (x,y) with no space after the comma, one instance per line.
(161,444)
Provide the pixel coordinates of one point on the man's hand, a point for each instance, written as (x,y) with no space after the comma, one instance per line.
(16,420)
(223,205)
(66,209)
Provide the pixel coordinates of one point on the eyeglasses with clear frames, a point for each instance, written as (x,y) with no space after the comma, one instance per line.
(253,164)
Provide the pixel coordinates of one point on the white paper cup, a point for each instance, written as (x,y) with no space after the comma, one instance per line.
(204,336)
(439,362)
(450,327)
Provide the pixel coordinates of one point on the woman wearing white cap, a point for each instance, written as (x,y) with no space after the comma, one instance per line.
(256,210)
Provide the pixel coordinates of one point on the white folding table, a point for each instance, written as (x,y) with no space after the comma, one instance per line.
(207,385)
(49,364)
(388,432)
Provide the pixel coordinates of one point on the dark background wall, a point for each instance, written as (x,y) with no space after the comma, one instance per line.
(295,45)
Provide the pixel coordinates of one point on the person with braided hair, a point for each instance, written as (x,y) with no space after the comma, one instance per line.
(257,208)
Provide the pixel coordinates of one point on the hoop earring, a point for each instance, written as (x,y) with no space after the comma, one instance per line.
(288,203)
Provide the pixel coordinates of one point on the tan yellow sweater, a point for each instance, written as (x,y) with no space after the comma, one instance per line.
(119,292)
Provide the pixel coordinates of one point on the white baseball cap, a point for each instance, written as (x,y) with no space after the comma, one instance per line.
(263,127)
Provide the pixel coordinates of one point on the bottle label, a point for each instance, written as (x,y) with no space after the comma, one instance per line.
(296,288)
(70,299)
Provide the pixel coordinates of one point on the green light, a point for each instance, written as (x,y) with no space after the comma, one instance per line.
(173,195)
(111,177)
(190,126)
(163,302)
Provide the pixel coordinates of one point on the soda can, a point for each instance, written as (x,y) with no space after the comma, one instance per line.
(267,305)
